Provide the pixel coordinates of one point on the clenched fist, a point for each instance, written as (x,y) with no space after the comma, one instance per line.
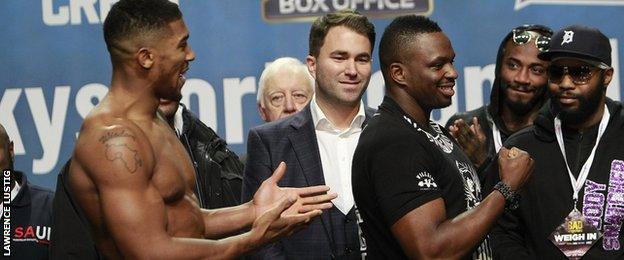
(515,166)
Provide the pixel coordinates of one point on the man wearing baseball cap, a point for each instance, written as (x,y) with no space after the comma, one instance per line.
(574,205)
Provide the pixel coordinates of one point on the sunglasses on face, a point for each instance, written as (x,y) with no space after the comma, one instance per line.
(522,36)
(579,74)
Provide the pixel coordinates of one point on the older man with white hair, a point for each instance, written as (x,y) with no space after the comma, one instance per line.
(285,88)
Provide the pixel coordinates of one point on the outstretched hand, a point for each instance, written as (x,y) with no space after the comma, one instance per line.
(471,139)
(282,211)
(273,224)
(306,199)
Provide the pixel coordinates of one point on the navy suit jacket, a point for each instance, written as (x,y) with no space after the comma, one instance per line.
(293,140)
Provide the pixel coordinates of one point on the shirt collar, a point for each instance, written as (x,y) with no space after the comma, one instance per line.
(321,122)
(14,193)
(178,122)
(15,190)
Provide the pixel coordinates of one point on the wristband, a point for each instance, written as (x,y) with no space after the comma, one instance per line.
(512,200)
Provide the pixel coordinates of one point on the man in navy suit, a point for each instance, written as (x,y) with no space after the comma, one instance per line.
(318,142)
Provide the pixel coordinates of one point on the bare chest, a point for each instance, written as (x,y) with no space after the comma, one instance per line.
(174,178)
(173,175)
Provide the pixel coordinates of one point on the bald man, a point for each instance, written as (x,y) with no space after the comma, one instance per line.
(30,208)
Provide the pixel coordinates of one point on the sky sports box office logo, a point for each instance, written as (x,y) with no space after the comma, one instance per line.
(308,10)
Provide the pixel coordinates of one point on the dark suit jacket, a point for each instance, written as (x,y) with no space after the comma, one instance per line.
(293,140)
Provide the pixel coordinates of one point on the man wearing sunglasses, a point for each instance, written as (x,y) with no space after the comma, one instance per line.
(576,195)
(518,91)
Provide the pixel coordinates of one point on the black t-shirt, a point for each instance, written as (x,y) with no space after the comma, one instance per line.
(31,217)
(397,167)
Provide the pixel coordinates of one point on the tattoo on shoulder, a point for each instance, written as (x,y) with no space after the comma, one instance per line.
(124,152)
(115,134)
(128,156)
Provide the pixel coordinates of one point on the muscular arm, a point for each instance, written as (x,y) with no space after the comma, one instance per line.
(259,189)
(426,233)
(221,222)
(120,162)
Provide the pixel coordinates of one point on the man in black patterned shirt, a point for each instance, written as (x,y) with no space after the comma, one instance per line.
(417,191)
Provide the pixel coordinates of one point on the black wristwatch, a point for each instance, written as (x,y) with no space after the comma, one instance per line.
(512,199)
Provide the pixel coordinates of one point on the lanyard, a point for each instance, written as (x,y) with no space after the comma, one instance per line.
(577,184)
(498,141)
(496,135)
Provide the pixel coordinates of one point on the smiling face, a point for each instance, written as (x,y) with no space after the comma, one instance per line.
(578,101)
(524,77)
(343,67)
(172,55)
(430,74)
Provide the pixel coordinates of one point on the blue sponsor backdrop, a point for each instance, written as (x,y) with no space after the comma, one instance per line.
(55,66)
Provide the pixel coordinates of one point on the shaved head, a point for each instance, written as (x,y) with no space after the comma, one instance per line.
(401,31)
(131,24)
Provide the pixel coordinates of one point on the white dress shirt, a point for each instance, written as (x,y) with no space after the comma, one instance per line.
(336,148)
(178,122)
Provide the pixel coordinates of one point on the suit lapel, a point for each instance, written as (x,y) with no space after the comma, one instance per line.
(304,143)
(305,146)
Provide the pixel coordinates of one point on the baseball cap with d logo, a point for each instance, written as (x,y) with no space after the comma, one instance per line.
(581,42)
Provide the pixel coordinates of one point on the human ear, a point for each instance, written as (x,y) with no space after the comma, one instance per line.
(145,58)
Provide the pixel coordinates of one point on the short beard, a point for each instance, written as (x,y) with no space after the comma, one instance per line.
(169,111)
(177,97)
(520,108)
(588,105)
